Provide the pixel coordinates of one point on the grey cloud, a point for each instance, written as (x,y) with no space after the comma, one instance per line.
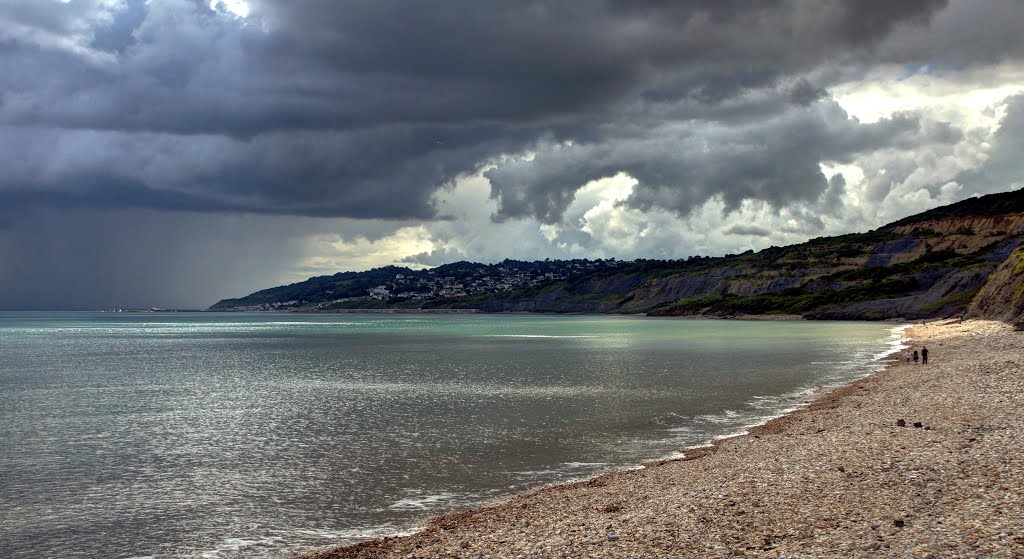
(679,167)
(869,19)
(966,33)
(1002,170)
(116,35)
(435,257)
(752,230)
(314,173)
(324,64)
(138,139)
(832,199)
(804,93)
(807,223)
(364,108)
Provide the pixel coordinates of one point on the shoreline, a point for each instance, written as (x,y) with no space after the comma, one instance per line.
(837,477)
(768,317)
(418,310)
(695,452)
(768,426)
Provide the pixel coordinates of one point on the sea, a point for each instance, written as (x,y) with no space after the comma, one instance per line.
(241,435)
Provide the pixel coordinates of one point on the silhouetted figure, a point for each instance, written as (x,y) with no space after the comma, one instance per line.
(915,356)
(924,355)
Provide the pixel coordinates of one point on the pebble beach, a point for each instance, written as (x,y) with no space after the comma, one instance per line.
(923,461)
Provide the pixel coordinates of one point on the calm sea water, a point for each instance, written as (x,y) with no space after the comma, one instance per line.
(253,435)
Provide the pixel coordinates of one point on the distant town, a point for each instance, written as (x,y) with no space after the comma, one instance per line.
(483,280)
(397,285)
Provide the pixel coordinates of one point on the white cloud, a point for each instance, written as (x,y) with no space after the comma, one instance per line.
(972,98)
(885,186)
(62,26)
(239,8)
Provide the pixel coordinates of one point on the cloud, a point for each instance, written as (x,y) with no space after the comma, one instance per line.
(250,146)
(364,109)
(965,33)
(435,257)
(1002,170)
(752,230)
(310,173)
(680,166)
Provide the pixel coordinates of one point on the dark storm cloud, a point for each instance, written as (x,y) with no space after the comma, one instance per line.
(364,109)
(314,173)
(804,93)
(966,33)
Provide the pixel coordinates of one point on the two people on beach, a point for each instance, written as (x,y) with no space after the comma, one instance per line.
(923,355)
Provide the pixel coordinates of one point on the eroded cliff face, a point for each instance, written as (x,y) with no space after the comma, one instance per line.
(948,295)
(1002,295)
(1007,224)
(962,235)
(659,291)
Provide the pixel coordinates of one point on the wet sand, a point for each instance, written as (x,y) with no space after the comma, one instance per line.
(913,461)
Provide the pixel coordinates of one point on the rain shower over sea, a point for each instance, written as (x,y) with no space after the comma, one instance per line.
(255,435)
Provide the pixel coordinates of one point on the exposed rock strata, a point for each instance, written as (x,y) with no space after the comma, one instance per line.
(1002,296)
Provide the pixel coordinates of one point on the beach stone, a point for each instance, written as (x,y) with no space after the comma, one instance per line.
(901,423)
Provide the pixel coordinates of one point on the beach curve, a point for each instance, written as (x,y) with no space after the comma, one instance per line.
(913,461)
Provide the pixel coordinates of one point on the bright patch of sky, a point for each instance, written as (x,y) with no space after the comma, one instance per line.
(239,8)
(972,98)
(328,253)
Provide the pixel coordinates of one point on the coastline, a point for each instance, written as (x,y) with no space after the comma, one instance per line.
(759,317)
(837,477)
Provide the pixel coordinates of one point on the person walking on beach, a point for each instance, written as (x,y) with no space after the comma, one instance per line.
(924,355)
(906,355)
(915,357)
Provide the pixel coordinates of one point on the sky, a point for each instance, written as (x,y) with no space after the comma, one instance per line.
(172,153)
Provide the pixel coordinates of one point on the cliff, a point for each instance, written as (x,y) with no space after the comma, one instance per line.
(949,261)
(1002,295)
